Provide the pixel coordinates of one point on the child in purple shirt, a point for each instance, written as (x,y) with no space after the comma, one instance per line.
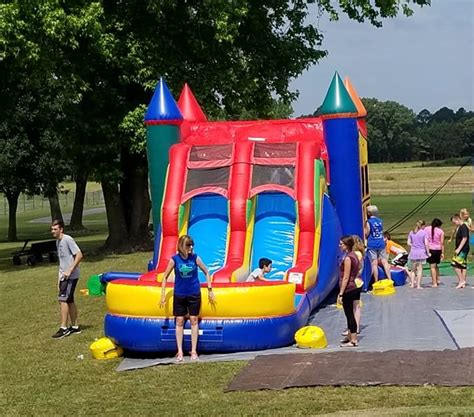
(419,252)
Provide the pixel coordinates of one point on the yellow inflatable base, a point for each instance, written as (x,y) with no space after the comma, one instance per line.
(312,337)
(383,287)
(104,348)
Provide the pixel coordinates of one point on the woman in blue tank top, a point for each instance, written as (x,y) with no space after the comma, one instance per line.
(376,243)
(187,292)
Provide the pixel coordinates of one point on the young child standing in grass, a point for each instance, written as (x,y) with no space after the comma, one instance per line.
(419,252)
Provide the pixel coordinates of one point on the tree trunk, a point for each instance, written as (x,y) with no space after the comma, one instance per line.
(54,206)
(136,200)
(12,207)
(118,238)
(78,208)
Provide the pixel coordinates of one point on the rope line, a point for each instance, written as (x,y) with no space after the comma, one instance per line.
(426,200)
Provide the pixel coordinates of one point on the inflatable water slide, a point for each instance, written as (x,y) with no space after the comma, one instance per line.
(281,189)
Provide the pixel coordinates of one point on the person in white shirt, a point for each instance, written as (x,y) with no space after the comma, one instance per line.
(258,274)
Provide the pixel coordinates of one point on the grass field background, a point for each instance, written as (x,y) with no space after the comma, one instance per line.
(42,376)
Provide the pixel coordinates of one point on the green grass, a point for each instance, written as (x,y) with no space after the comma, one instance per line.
(443,206)
(42,376)
(416,178)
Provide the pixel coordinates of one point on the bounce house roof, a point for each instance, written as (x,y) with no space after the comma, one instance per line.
(271,131)
(163,108)
(189,106)
(338,102)
(361,111)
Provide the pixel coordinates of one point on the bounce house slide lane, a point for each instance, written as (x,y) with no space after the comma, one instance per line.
(208,226)
(274,233)
(132,322)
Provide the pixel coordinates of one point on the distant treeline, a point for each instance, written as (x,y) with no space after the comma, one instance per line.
(398,134)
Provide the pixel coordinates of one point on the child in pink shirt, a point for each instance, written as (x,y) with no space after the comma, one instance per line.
(435,237)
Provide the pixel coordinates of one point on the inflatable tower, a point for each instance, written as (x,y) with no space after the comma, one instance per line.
(341,134)
(162,120)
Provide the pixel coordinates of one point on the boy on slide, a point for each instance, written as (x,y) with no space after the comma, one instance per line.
(258,274)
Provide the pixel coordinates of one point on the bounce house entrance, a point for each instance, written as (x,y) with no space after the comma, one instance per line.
(274,232)
(207,225)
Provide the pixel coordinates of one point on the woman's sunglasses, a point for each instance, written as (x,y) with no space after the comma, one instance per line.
(189,245)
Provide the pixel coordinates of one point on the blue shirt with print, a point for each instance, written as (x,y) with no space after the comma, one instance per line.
(186,281)
(375,238)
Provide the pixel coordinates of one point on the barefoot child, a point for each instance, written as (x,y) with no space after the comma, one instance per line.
(419,252)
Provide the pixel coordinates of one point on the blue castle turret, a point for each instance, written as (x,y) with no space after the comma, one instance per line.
(341,135)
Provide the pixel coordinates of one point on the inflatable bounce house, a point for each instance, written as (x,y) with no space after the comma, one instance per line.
(281,189)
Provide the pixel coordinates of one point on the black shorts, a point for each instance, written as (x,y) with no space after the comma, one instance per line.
(186,304)
(435,256)
(66,290)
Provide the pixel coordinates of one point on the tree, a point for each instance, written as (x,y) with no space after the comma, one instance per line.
(468,137)
(101,62)
(424,117)
(16,155)
(391,129)
(374,12)
(36,86)
(444,114)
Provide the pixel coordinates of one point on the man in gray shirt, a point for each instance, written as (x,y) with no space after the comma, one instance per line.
(69,256)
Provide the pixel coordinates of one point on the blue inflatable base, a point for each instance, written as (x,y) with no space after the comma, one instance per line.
(221,335)
(399,276)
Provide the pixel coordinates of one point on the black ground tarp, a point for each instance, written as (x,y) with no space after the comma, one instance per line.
(394,367)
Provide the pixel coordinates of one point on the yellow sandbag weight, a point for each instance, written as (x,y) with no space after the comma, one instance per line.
(311,337)
(383,287)
(104,348)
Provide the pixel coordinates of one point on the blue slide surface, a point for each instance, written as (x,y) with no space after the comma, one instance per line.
(207,225)
(274,232)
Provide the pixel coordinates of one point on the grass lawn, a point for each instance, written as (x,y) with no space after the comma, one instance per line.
(42,376)
(414,178)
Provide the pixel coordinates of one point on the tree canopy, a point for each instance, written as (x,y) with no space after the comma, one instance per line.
(77,75)
(397,134)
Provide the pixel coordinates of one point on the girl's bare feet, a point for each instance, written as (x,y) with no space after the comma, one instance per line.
(461,285)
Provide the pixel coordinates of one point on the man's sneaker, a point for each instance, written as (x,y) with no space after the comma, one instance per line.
(61,333)
(74,330)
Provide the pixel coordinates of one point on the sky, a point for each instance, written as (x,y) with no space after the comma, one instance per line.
(425,61)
